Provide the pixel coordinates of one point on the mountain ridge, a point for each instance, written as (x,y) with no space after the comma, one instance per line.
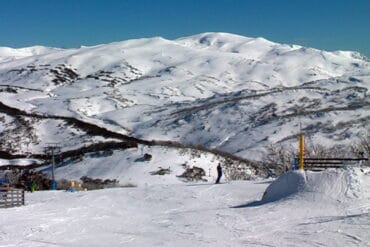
(211,89)
(39,48)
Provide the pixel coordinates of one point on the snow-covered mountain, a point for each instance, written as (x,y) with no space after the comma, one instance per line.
(155,113)
(218,90)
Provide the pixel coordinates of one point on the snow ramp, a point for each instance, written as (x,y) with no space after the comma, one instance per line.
(332,184)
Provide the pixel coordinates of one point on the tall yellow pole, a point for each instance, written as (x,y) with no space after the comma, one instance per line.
(301,152)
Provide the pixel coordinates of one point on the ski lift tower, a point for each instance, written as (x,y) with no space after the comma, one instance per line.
(52,149)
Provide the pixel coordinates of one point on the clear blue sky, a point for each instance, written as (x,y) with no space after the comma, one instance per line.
(323,24)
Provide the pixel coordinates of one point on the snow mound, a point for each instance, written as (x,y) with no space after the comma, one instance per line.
(338,185)
(287,184)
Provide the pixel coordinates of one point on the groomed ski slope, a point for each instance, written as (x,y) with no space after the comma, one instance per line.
(329,208)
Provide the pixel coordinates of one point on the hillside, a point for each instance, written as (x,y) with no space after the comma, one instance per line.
(221,91)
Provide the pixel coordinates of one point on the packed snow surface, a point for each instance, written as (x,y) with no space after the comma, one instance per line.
(330,208)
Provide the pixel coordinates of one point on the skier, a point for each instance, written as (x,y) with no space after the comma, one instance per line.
(219,173)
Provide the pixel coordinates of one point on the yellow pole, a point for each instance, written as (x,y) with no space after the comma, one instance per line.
(301,152)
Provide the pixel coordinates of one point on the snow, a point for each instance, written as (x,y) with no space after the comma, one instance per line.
(129,167)
(331,209)
(287,184)
(8,54)
(225,91)
(237,94)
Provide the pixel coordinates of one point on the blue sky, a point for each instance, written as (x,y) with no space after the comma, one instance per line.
(323,24)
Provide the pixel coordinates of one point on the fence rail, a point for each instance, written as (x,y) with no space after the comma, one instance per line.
(323,163)
(11,197)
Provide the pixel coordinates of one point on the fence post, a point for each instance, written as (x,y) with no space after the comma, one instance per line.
(301,152)
(23,199)
(6,200)
(12,196)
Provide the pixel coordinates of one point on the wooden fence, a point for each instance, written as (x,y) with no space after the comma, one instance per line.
(324,163)
(10,197)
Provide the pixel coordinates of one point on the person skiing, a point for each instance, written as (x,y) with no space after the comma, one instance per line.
(219,173)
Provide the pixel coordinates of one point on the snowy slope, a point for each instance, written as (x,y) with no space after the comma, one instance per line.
(128,166)
(219,90)
(330,209)
(8,54)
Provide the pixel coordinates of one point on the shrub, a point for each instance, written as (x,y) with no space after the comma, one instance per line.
(193,174)
(161,171)
(63,184)
(97,183)
(147,157)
